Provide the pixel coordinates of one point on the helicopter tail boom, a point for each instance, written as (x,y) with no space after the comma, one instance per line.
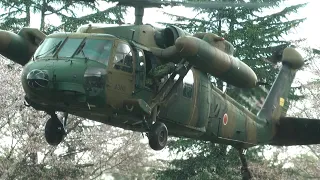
(275,105)
(296,131)
(20,47)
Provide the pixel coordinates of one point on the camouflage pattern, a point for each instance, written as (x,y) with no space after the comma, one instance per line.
(216,41)
(102,92)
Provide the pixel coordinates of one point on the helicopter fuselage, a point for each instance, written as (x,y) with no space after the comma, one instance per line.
(65,75)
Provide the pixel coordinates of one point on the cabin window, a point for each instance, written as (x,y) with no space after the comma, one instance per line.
(188,82)
(123,58)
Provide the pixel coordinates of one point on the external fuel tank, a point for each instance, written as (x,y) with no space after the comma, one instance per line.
(209,59)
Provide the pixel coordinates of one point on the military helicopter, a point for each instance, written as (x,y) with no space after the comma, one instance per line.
(153,80)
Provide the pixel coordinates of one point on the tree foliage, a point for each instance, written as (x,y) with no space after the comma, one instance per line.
(17,14)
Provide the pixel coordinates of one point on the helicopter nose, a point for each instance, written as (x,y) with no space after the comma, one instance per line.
(38,79)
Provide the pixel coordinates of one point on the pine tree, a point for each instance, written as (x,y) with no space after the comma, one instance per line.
(17,14)
(255,38)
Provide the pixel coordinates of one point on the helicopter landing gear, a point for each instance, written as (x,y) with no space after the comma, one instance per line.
(158,136)
(55,129)
(157,132)
(245,172)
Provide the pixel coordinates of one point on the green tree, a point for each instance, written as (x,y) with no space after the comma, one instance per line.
(113,15)
(17,14)
(14,14)
(255,38)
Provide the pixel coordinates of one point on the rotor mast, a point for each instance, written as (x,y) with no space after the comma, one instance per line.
(139,12)
(139,5)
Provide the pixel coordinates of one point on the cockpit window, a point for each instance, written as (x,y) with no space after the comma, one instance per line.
(69,47)
(89,49)
(96,49)
(48,48)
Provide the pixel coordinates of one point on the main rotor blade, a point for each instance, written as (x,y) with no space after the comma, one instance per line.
(143,3)
(219,5)
(208,4)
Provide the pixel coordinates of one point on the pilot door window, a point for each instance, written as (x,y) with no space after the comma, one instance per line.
(123,58)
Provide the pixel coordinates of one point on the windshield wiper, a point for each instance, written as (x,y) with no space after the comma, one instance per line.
(51,50)
(84,55)
(80,49)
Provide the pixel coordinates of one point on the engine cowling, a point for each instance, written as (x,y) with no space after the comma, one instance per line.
(167,37)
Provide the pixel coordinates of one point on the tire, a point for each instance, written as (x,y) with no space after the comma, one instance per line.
(158,136)
(54,131)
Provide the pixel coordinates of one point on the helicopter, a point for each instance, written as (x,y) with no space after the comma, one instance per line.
(155,81)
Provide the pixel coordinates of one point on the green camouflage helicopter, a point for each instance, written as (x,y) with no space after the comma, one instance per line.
(154,80)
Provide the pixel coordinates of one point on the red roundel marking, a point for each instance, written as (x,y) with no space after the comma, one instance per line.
(225,119)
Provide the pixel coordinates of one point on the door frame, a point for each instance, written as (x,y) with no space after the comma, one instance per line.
(117,92)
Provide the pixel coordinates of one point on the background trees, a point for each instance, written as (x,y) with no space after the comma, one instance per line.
(17,14)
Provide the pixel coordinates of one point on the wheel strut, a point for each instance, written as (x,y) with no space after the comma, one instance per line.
(157,132)
(65,119)
(245,172)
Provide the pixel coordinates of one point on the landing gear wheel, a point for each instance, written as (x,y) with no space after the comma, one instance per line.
(158,136)
(54,131)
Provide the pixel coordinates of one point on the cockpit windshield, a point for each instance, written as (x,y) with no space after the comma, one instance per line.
(95,49)
(48,47)
(80,48)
